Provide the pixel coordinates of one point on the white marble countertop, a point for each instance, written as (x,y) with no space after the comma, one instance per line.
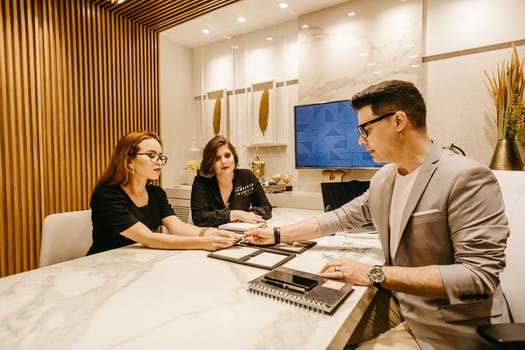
(138,298)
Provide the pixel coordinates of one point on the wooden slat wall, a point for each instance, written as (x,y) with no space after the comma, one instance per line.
(163,14)
(74,78)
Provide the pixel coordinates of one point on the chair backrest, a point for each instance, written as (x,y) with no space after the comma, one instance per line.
(335,194)
(512,184)
(65,236)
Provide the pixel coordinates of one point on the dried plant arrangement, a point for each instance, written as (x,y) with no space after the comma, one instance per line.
(520,126)
(506,88)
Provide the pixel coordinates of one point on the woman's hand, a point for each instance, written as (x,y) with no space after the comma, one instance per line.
(213,232)
(218,239)
(259,235)
(245,216)
(348,270)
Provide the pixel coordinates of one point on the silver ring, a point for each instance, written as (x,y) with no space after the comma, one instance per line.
(336,268)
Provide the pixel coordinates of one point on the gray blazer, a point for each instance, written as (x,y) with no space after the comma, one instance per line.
(454,218)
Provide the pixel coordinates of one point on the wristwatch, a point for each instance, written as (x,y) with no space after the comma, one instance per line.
(277,235)
(377,276)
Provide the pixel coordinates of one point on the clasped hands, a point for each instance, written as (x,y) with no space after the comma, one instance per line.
(245,216)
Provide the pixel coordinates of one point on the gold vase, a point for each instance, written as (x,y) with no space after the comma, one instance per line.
(506,156)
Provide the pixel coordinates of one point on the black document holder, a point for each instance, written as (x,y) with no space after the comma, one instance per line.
(291,247)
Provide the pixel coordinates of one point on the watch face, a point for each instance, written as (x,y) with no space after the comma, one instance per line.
(377,275)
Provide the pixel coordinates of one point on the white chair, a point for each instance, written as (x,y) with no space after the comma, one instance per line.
(512,185)
(65,236)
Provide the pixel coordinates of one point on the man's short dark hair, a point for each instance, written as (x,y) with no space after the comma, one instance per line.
(391,96)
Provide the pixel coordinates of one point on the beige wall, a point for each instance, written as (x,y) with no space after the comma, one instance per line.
(180,120)
(458,106)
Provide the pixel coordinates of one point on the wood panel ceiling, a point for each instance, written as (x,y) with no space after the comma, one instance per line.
(160,15)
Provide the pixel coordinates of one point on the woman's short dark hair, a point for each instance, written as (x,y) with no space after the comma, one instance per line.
(207,168)
(391,96)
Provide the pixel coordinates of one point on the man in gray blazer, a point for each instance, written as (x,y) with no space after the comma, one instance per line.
(441,221)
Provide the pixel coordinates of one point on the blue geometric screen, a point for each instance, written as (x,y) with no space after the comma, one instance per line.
(326,137)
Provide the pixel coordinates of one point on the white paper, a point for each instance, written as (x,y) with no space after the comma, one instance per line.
(267,259)
(290,246)
(236,252)
(237,226)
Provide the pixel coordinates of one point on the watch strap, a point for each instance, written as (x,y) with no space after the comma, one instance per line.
(277,235)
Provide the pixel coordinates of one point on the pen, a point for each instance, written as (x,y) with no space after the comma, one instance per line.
(284,285)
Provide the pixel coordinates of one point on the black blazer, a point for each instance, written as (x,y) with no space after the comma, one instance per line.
(208,209)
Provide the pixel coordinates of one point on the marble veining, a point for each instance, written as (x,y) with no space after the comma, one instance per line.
(340,54)
(136,298)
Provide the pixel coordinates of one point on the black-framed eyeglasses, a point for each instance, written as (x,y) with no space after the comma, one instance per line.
(154,157)
(361,127)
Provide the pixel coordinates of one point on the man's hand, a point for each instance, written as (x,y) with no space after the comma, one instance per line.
(348,270)
(259,235)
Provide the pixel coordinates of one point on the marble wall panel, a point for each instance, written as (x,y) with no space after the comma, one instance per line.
(340,54)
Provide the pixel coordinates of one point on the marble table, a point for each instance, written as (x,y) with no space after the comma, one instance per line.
(138,298)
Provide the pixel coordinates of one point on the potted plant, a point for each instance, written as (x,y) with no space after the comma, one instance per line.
(506,88)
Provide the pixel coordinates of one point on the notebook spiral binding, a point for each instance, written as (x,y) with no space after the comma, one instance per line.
(290,297)
(323,297)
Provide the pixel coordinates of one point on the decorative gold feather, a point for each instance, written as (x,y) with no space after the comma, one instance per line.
(263,110)
(217,116)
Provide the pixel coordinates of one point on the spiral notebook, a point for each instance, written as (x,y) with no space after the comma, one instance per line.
(324,297)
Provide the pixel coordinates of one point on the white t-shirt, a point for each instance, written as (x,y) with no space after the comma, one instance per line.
(402,187)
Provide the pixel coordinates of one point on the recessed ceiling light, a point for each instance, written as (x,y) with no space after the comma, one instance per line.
(350,14)
(269,38)
(235,47)
(241,19)
(377,72)
(283,5)
(415,65)
(371,64)
(305,26)
(206,31)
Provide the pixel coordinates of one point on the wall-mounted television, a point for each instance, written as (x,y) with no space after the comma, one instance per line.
(326,136)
